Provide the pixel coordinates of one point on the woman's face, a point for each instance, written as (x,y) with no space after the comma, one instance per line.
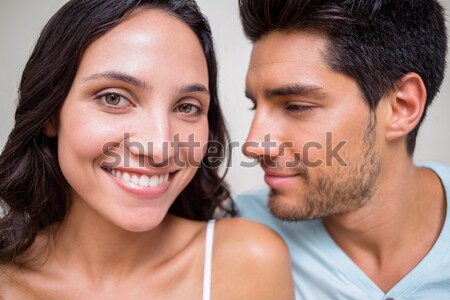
(133,130)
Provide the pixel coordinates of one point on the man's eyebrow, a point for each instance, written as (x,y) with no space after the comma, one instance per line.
(295,89)
(193,88)
(119,76)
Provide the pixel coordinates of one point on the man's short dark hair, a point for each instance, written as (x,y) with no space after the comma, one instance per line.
(376,42)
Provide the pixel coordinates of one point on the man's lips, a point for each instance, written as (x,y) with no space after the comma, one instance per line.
(278,181)
(283,172)
(280,178)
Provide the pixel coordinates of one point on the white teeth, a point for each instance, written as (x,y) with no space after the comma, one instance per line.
(135,179)
(164,178)
(126,177)
(154,180)
(142,180)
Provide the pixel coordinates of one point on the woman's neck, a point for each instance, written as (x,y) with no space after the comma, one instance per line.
(90,244)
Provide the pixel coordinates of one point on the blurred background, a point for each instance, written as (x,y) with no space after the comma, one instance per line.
(22,20)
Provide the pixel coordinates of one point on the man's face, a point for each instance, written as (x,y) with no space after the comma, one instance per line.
(315,136)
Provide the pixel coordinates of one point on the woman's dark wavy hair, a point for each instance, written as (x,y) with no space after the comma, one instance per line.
(33,191)
(376,42)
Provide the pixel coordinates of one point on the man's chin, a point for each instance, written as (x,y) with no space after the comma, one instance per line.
(290,208)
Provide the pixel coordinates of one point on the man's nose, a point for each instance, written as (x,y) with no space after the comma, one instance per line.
(262,139)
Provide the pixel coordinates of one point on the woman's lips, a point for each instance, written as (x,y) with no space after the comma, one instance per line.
(141,185)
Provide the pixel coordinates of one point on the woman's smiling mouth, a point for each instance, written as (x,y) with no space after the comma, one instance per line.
(141,179)
(141,184)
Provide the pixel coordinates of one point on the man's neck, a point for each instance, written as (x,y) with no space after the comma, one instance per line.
(388,237)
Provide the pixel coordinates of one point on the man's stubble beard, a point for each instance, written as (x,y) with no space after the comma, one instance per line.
(344,190)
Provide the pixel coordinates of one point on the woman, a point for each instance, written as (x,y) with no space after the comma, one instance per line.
(109,174)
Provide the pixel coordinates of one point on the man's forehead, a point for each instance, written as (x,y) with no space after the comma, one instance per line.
(288,46)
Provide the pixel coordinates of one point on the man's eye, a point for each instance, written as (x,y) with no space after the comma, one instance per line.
(298,107)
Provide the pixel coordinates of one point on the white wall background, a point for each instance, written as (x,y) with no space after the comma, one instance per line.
(22,20)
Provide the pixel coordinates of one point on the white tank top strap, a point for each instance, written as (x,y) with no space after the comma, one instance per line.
(208,260)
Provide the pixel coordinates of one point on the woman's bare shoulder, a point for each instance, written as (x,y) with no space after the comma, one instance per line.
(251,240)
(253,257)
(248,233)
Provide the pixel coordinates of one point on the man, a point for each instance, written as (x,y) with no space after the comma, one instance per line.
(340,88)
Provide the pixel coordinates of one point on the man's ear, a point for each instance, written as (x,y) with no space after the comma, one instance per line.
(50,129)
(406,106)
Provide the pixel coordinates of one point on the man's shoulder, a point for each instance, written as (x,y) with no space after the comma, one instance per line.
(253,205)
(252,199)
(442,170)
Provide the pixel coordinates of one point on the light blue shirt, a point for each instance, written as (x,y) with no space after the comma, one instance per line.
(322,271)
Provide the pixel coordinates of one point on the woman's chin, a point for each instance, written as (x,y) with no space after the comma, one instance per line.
(139,223)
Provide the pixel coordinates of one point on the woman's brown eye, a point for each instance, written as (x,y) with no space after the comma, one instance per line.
(186,108)
(113,99)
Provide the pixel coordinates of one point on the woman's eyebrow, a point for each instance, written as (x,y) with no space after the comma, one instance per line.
(192,88)
(119,76)
(126,78)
